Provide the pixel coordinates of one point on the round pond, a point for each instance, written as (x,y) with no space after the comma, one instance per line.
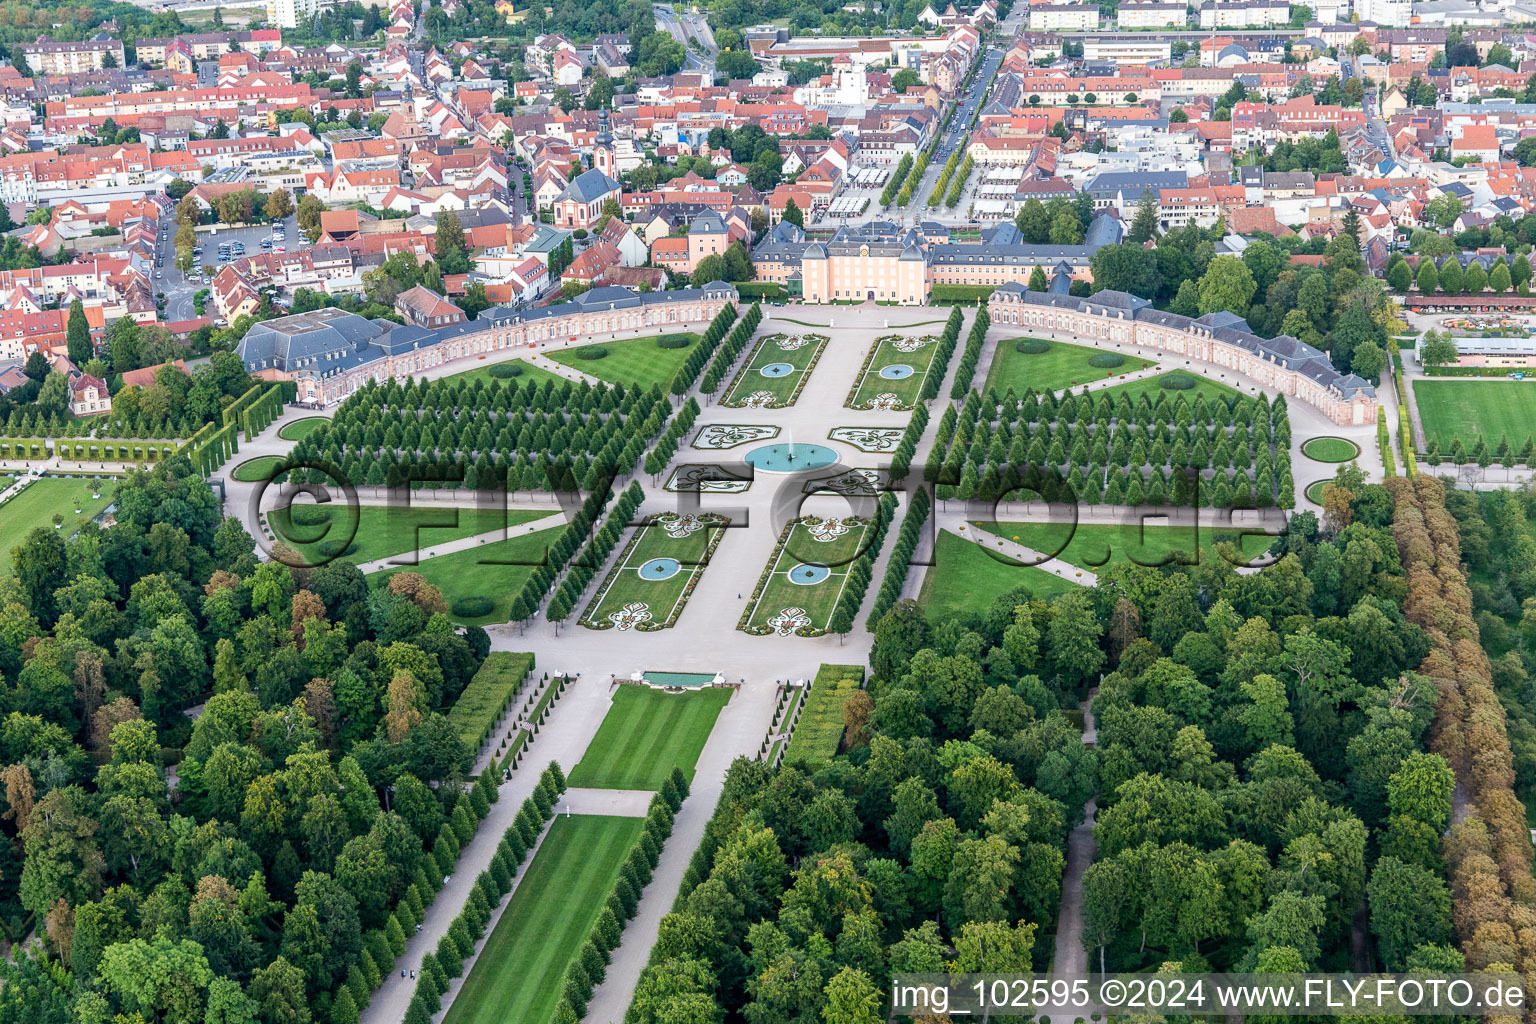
(777,370)
(790,458)
(896,371)
(659,569)
(809,575)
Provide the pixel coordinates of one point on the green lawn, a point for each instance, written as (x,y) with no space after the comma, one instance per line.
(663,598)
(300,429)
(36,506)
(470,573)
(1092,547)
(797,350)
(885,352)
(530,372)
(1315,490)
(1062,366)
(1149,386)
(965,580)
(640,361)
(382,530)
(779,593)
(255,471)
(646,734)
(1471,407)
(520,973)
(1329,449)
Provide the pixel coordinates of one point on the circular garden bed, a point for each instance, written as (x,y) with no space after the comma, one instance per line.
(591,352)
(1032,346)
(1178,381)
(472,607)
(1330,449)
(1315,490)
(505,371)
(256,471)
(300,429)
(1106,360)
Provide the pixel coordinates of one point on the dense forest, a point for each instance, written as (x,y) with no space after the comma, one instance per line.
(1272,782)
(199,750)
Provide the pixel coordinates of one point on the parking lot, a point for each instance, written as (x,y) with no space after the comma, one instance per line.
(179,292)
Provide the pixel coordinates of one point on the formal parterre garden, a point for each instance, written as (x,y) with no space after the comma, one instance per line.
(805,576)
(476,434)
(646,734)
(894,371)
(776,372)
(1107,449)
(638,362)
(1024,363)
(656,572)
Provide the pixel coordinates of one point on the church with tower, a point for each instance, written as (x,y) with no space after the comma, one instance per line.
(580,203)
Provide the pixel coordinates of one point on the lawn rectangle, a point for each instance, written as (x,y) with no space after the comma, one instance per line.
(520,972)
(965,580)
(889,353)
(646,734)
(754,389)
(688,540)
(386,530)
(1451,407)
(820,730)
(36,505)
(1092,547)
(638,361)
(1060,366)
(805,609)
(496,570)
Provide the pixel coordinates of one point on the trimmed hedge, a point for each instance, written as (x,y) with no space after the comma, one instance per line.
(1032,346)
(506,371)
(472,607)
(674,341)
(1177,381)
(918,510)
(820,729)
(335,549)
(971,357)
(1106,360)
(592,352)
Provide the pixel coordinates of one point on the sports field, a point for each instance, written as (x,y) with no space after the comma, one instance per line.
(799,589)
(646,734)
(36,505)
(1059,366)
(894,372)
(1448,407)
(469,573)
(520,973)
(965,580)
(776,372)
(655,573)
(1093,547)
(383,531)
(638,361)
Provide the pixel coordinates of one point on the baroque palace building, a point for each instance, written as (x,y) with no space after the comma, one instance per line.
(886,262)
(330,353)
(1289,366)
